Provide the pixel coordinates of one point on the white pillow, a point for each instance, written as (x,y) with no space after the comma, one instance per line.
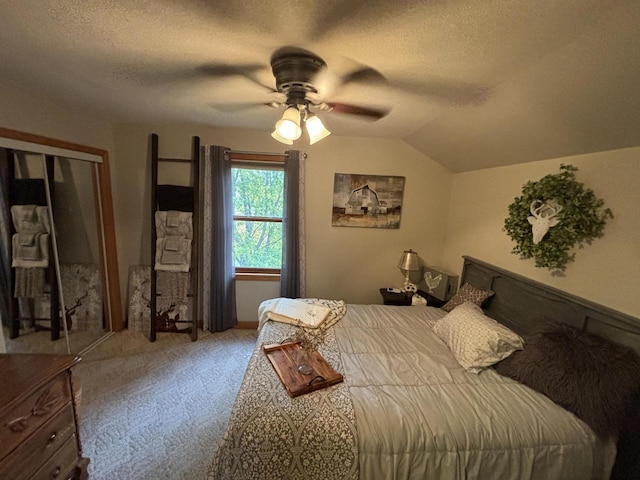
(476,340)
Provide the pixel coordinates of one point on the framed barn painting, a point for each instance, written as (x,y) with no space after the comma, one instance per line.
(373,201)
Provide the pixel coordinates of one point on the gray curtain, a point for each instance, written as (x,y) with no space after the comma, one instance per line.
(292,279)
(218,290)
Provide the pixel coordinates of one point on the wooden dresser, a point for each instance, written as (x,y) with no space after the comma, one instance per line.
(38,423)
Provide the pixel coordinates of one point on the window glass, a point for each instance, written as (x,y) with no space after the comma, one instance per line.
(258,208)
(257,244)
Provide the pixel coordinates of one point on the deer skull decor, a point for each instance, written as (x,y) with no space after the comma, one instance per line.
(556,199)
(544,215)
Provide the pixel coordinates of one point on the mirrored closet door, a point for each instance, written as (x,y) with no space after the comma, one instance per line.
(57,265)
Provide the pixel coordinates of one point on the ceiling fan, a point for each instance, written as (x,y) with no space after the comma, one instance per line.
(302,77)
(305,80)
(303,84)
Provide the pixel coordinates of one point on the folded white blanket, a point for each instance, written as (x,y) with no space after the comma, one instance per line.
(309,313)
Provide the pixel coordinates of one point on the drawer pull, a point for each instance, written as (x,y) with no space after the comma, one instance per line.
(52,438)
(19,424)
(56,472)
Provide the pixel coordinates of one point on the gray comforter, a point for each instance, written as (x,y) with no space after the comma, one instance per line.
(406,410)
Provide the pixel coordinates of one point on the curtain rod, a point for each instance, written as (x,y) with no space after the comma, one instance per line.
(271,154)
(241,152)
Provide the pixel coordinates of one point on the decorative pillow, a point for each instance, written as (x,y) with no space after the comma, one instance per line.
(591,377)
(467,293)
(476,340)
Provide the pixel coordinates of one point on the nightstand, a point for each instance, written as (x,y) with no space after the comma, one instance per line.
(392,298)
(402,299)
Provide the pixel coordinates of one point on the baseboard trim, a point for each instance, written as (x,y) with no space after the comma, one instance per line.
(247,325)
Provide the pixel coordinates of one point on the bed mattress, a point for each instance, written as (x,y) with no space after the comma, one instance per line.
(406,410)
(420,415)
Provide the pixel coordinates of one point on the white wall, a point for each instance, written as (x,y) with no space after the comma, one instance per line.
(30,113)
(343,263)
(353,263)
(605,272)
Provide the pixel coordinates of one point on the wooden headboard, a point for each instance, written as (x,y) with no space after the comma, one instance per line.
(520,303)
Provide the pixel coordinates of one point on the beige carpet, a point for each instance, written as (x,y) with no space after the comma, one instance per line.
(31,341)
(157,410)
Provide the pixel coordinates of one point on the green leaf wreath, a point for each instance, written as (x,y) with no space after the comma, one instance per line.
(581,219)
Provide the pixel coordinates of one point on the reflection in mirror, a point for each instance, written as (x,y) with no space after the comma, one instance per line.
(64,310)
(31,311)
(78,245)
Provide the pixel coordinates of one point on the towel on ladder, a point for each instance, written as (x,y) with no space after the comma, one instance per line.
(30,218)
(172,222)
(174,286)
(29,282)
(173,218)
(173,260)
(30,250)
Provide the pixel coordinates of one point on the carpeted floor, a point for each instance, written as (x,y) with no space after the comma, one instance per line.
(157,410)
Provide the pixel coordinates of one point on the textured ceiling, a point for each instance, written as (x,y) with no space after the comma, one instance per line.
(472,84)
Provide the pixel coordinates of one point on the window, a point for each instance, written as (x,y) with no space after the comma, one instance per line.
(258,200)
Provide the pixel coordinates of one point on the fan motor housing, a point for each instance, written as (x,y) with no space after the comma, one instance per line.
(295,71)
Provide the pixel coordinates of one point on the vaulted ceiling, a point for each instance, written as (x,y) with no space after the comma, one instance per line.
(472,84)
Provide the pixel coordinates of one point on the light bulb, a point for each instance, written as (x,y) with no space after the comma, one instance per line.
(288,126)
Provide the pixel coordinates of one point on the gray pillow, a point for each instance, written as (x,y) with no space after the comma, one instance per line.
(468,293)
(591,377)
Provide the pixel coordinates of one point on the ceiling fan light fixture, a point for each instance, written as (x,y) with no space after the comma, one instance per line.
(316,129)
(281,139)
(288,127)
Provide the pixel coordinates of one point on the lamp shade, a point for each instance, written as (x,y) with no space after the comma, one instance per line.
(316,129)
(281,139)
(409,261)
(288,126)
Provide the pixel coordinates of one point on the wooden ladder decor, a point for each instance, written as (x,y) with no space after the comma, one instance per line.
(194,164)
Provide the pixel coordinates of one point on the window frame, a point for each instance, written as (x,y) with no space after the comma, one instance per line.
(271,162)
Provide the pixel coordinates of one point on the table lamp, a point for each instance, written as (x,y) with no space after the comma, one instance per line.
(409,262)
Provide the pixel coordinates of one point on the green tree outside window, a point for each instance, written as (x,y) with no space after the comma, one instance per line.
(258,208)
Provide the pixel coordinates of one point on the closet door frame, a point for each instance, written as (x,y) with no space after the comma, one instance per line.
(101,176)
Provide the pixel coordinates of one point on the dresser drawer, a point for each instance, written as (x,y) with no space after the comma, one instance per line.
(37,449)
(62,464)
(17,424)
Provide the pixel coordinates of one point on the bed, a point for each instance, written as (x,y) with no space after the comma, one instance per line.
(408,408)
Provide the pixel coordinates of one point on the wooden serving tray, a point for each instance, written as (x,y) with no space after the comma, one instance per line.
(285,358)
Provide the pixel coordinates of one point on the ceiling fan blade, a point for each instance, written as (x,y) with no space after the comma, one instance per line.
(345,72)
(276,100)
(365,75)
(241,107)
(233,107)
(446,92)
(249,71)
(371,113)
(173,76)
